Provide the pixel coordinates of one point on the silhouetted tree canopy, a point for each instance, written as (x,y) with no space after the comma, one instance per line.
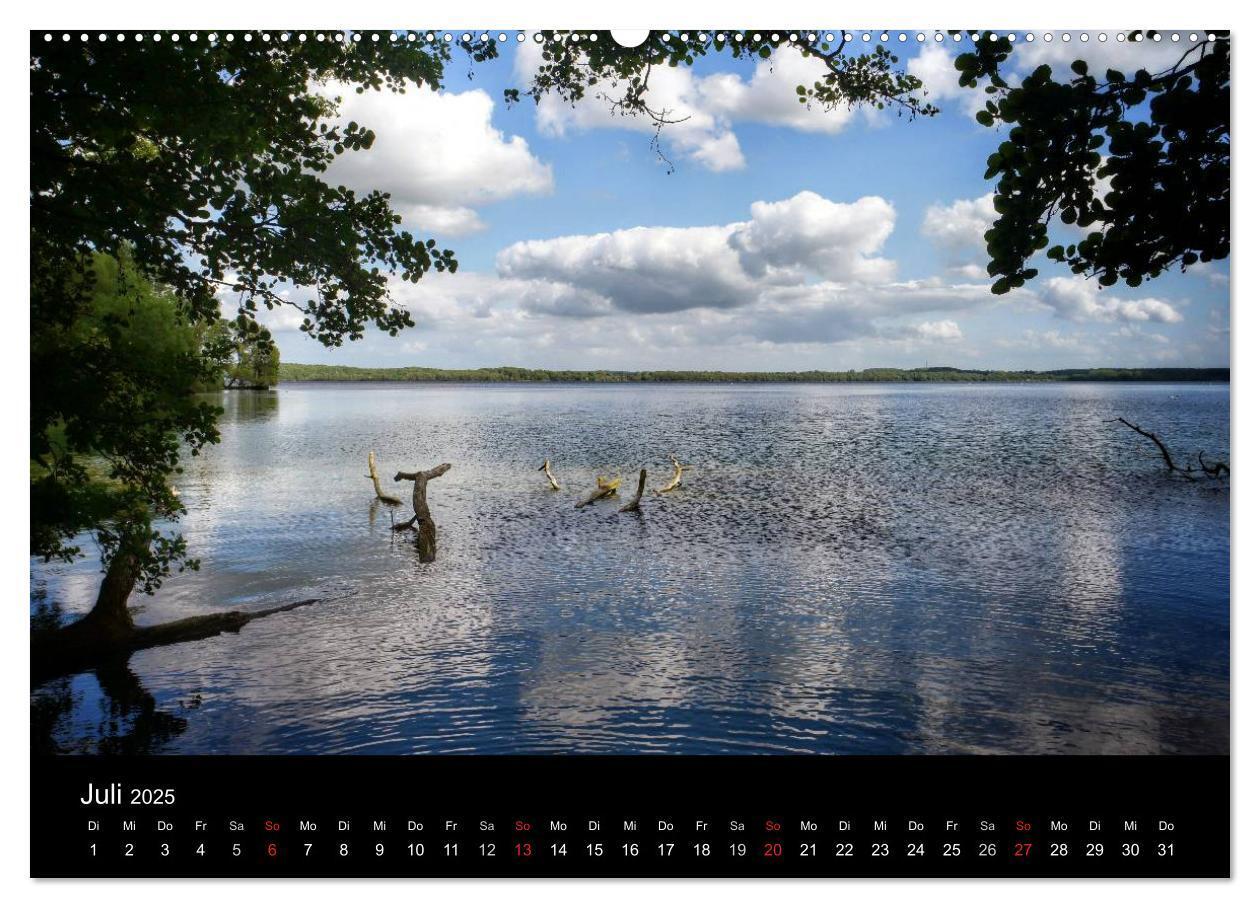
(1140,164)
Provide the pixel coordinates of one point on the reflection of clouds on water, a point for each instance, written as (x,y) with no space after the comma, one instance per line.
(866,569)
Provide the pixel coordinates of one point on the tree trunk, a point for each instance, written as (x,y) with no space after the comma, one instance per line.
(422,520)
(88,642)
(109,617)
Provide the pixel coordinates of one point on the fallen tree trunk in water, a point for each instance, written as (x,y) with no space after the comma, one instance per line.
(376,483)
(633,504)
(89,642)
(422,520)
(546,468)
(604,488)
(1216,470)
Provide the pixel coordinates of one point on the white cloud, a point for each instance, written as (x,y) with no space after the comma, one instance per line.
(481,312)
(770,97)
(808,233)
(1080,300)
(959,228)
(438,155)
(644,269)
(802,274)
(944,330)
(701,110)
(669,269)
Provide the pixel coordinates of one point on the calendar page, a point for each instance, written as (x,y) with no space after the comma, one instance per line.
(723,452)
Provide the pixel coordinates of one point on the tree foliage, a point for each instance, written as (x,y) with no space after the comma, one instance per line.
(245,357)
(207,157)
(110,409)
(196,166)
(1139,164)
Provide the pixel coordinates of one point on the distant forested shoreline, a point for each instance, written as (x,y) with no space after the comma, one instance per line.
(293,372)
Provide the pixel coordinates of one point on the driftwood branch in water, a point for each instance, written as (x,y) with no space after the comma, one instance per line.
(422,520)
(633,504)
(84,644)
(376,483)
(546,468)
(1216,470)
(604,488)
(676,481)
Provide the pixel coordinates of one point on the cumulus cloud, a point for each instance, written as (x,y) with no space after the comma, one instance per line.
(485,313)
(438,155)
(802,273)
(644,269)
(1081,300)
(770,97)
(959,227)
(669,269)
(809,233)
(944,330)
(702,110)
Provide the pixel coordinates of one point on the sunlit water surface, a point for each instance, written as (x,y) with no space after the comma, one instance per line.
(845,569)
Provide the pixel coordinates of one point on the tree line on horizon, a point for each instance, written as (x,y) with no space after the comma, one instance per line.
(298,372)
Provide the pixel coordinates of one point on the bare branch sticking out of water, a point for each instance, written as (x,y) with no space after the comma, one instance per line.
(1217,470)
(546,468)
(604,488)
(676,481)
(376,483)
(633,504)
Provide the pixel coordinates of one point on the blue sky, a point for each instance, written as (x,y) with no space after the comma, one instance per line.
(784,238)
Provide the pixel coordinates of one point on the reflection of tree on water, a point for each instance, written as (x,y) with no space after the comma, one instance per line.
(249,406)
(126,720)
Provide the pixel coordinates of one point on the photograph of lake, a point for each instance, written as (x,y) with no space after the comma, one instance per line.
(558,393)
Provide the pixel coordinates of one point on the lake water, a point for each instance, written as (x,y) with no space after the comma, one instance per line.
(845,569)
